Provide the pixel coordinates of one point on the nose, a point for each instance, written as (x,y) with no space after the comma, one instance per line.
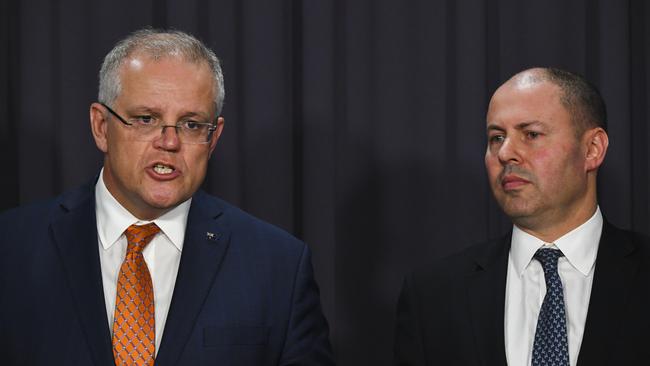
(169,139)
(508,152)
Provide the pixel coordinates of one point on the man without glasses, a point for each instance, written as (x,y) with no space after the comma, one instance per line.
(565,287)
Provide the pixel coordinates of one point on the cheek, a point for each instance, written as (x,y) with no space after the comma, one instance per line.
(129,157)
(196,164)
(553,166)
(492,166)
(544,166)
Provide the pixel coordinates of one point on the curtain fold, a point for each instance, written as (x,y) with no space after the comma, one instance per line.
(359,126)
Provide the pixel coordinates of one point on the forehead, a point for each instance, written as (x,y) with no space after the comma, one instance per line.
(170,81)
(527,99)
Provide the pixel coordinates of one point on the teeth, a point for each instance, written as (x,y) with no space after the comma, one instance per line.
(162,169)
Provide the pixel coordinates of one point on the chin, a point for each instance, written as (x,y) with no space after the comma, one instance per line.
(163,201)
(516,210)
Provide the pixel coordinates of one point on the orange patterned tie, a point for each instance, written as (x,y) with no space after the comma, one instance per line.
(134,328)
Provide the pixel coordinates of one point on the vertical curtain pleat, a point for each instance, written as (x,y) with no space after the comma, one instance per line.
(359,126)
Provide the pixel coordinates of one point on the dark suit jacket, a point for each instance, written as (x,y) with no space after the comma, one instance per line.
(243,296)
(452,313)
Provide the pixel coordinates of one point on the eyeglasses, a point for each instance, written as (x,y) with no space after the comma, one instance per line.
(146,128)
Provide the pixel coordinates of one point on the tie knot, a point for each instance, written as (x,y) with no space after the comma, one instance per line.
(548,257)
(138,236)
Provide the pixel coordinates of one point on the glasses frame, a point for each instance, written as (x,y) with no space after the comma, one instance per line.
(211,129)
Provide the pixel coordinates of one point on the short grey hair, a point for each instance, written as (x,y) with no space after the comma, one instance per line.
(157,44)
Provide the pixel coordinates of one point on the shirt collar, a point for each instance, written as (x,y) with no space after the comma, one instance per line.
(113,219)
(580,245)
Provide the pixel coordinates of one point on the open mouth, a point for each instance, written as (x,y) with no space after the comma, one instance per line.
(163,169)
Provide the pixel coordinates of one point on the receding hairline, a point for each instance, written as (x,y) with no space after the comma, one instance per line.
(155,45)
(138,55)
(578,97)
(203,71)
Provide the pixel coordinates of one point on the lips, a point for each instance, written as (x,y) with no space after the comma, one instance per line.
(511,181)
(162,171)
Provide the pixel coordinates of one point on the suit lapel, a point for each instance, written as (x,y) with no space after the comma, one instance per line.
(75,235)
(616,265)
(486,295)
(203,250)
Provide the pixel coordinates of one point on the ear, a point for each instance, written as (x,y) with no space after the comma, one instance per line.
(216,134)
(98,126)
(596,143)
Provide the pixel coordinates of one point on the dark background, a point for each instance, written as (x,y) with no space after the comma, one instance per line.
(356,125)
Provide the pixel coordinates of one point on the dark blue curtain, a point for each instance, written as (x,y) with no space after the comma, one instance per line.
(356,125)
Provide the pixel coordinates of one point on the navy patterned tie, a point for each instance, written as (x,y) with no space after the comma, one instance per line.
(551,347)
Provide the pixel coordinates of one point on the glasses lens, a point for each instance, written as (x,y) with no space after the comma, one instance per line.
(148,129)
(187,134)
(194,132)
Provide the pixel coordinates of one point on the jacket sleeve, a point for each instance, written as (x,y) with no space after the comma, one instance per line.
(408,336)
(307,341)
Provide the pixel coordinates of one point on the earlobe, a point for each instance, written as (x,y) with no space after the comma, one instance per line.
(597,142)
(98,126)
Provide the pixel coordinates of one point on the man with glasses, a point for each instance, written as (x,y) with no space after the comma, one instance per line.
(141,265)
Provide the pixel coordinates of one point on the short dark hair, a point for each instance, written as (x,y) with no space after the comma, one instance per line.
(581,98)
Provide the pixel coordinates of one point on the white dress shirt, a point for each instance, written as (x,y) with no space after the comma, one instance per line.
(162,255)
(525,287)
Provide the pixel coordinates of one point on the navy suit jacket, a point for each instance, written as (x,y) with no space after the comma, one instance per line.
(452,313)
(243,296)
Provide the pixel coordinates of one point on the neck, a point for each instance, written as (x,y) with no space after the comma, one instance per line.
(549,231)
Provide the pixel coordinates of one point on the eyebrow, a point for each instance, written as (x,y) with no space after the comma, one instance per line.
(142,109)
(519,126)
(157,112)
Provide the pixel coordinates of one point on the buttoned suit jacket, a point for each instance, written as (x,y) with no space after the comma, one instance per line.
(244,294)
(452,312)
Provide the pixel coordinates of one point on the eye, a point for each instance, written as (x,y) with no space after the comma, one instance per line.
(532,135)
(496,139)
(144,120)
(191,125)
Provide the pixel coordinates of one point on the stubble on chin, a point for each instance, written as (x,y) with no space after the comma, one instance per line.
(515,204)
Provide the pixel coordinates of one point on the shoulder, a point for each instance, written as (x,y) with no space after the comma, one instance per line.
(42,212)
(51,207)
(26,230)
(611,231)
(244,227)
(624,241)
(444,271)
(21,214)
